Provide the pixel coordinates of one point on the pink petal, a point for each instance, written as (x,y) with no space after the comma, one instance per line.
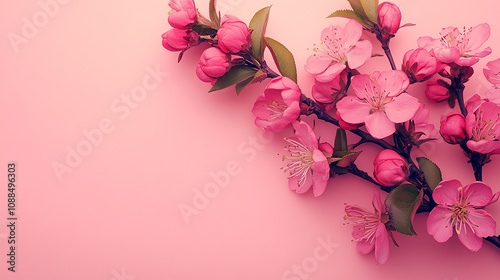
(331,72)
(363,86)
(353,110)
(377,203)
(467,61)
(478,35)
(446,193)
(379,125)
(484,146)
(478,194)
(469,239)
(352,32)
(447,55)
(300,189)
(306,135)
(359,54)
(381,244)
(402,109)
(484,224)
(439,225)
(317,63)
(321,172)
(393,82)
(365,247)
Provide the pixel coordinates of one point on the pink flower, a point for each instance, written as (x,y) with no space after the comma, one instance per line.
(340,47)
(482,125)
(422,128)
(175,39)
(389,19)
(278,106)
(233,35)
(459,47)
(436,91)
(213,64)
(329,93)
(183,14)
(419,65)
(453,128)
(369,230)
(390,168)
(380,102)
(308,164)
(492,74)
(459,208)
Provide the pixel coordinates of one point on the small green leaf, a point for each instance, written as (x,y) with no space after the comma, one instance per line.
(241,85)
(358,8)
(283,58)
(431,171)
(235,75)
(402,204)
(340,141)
(371,9)
(348,14)
(258,24)
(203,30)
(348,159)
(214,17)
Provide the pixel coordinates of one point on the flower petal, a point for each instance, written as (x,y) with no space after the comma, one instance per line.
(321,172)
(402,108)
(317,63)
(331,72)
(484,146)
(478,35)
(364,246)
(353,110)
(478,194)
(469,239)
(363,86)
(381,244)
(483,223)
(352,32)
(439,225)
(446,192)
(293,183)
(393,82)
(306,135)
(359,54)
(379,125)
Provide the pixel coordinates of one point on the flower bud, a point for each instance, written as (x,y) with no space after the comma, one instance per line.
(419,65)
(213,64)
(389,18)
(435,90)
(390,168)
(175,39)
(345,125)
(233,35)
(183,14)
(453,128)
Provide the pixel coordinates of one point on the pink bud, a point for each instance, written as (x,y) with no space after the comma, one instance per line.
(233,35)
(453,128)
(183,14)
(330,92)
(389,18)
(325,148)
(213,64)
(390,168)
(419,65)
(175,39)
(345,125)
(435,91)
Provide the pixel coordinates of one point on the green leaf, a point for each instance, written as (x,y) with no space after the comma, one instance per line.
(347,14)
(258,24)
(402,204)
(235,75)
(203,30)
(241,85)
(431,171)
(358,8)
(340,141)
(371,9)
(213,13)
(348,159)
(283,58)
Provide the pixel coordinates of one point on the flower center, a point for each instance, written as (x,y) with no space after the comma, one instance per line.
(333,47)
(275,110)
(483,129)
(457,39)
(376,99)
(301,160)
(368,221)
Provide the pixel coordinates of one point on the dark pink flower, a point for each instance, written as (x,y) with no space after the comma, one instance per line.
(390,168)
(389,18)
(308,166)
(460,209)
(419,65)
(453,128)
(339,48)
(233,35)
(460,47)
(369,229)
(380,102)
(213,64)
(278,106)
(482,125)
(175,39)
(435,91)
(329,93)
(183,14)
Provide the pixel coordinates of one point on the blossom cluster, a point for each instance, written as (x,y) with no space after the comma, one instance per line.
(378,107)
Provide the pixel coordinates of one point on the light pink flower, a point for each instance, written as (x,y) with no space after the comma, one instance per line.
(436,91)
(369,230)
(308,166)
(453,128)
(390,169)
(278,106)
(419,65)
(389,18)
(233,35)
(339,48)
(380,102)
(482,125)
(492,74)
(459,208)
(213,64)
(460,47)
(183,14)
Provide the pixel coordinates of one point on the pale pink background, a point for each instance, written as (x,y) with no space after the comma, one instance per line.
(116,215)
